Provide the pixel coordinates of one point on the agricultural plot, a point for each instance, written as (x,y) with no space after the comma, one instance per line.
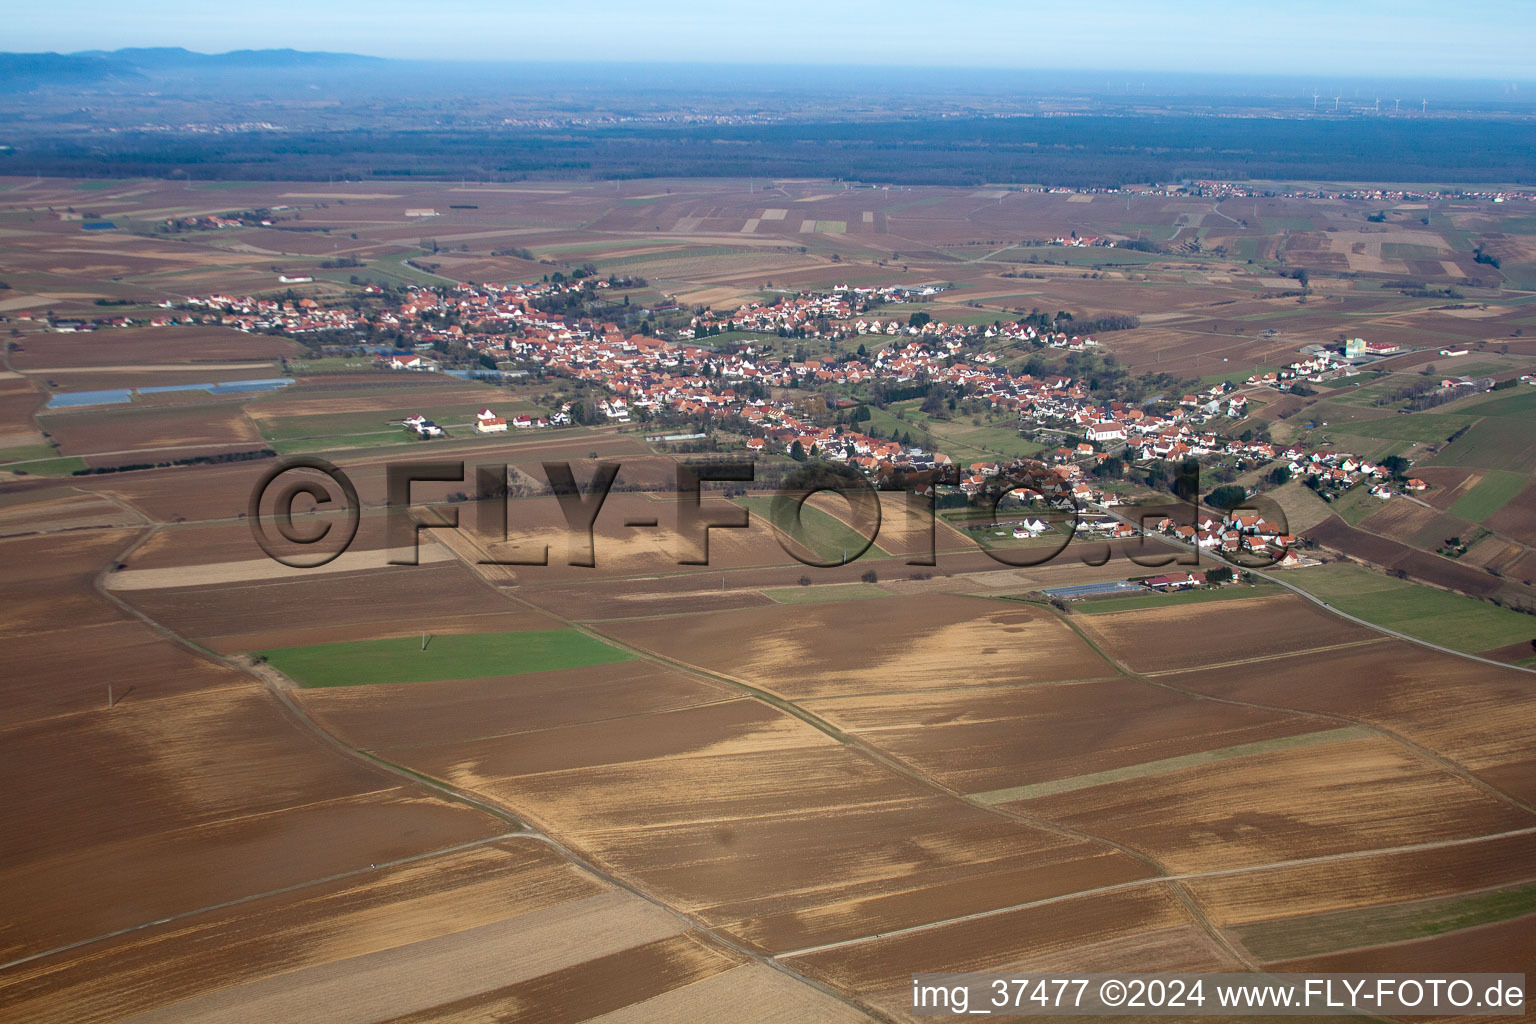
(372,394)
(152,434)
(1517,517)
(945,641)
(866,778)
(1434,615)
(455,656)
(821,535)
(457,710)
(979,442)
(270,809)
(1302,507)
(50,601)
(1064,934)
(440,598)
(1492,493)
(1334,534)
(635,532)
(1511,406)
(984,740)
(220,491)
(56,510)
(1404,689)
(198,788)
(1160,640)
(1448,484)
(1312,934)
(731,795)
(1495,442)
(831,592)
(498,928)
(19,400)
(1280,893)
(1396,517)
(1421,427)
(199,347)
(1478,949)
(1231,813)
(163,385)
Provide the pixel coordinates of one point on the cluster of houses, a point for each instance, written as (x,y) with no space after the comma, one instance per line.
(1234,533)
(424,427)
(473,306)
(1238,190)
(642,376)
(1076,241)
(827,316)
(291,316)
(799,314)
(74,325)
(1038,485)
(1319,364)
(1314,368)
(956,336)
(487,422)
(210,222)
(1329,469)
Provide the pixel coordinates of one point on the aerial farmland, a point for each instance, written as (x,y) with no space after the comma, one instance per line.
(725,597)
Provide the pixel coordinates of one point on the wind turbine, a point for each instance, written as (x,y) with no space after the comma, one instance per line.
(1397,105)
(1425,108)
(1315,95)
(1336,98)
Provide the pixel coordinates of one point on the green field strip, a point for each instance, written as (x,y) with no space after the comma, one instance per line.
(451,656)
(63,465)
(28,453)
(1451,620)
(1166,765)
(1423,426)
(1314,934)
(825,534)
(1522,404)
(1492,493)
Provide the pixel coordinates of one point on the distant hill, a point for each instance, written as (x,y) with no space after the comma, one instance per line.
(33,70)
(164,58)
(139,65)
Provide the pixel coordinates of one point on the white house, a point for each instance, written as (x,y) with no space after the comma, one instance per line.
(1106,430)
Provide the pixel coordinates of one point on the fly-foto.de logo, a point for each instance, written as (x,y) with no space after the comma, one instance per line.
(305,513)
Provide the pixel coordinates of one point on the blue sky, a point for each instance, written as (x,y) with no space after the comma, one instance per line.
(1343,38)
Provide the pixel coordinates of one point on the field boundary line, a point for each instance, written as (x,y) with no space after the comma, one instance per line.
(523,829)
(1160,880)
(1451,767)
(1165,765)
(226,904)
(1261,658)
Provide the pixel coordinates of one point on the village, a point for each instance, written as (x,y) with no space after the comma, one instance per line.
(761,395)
